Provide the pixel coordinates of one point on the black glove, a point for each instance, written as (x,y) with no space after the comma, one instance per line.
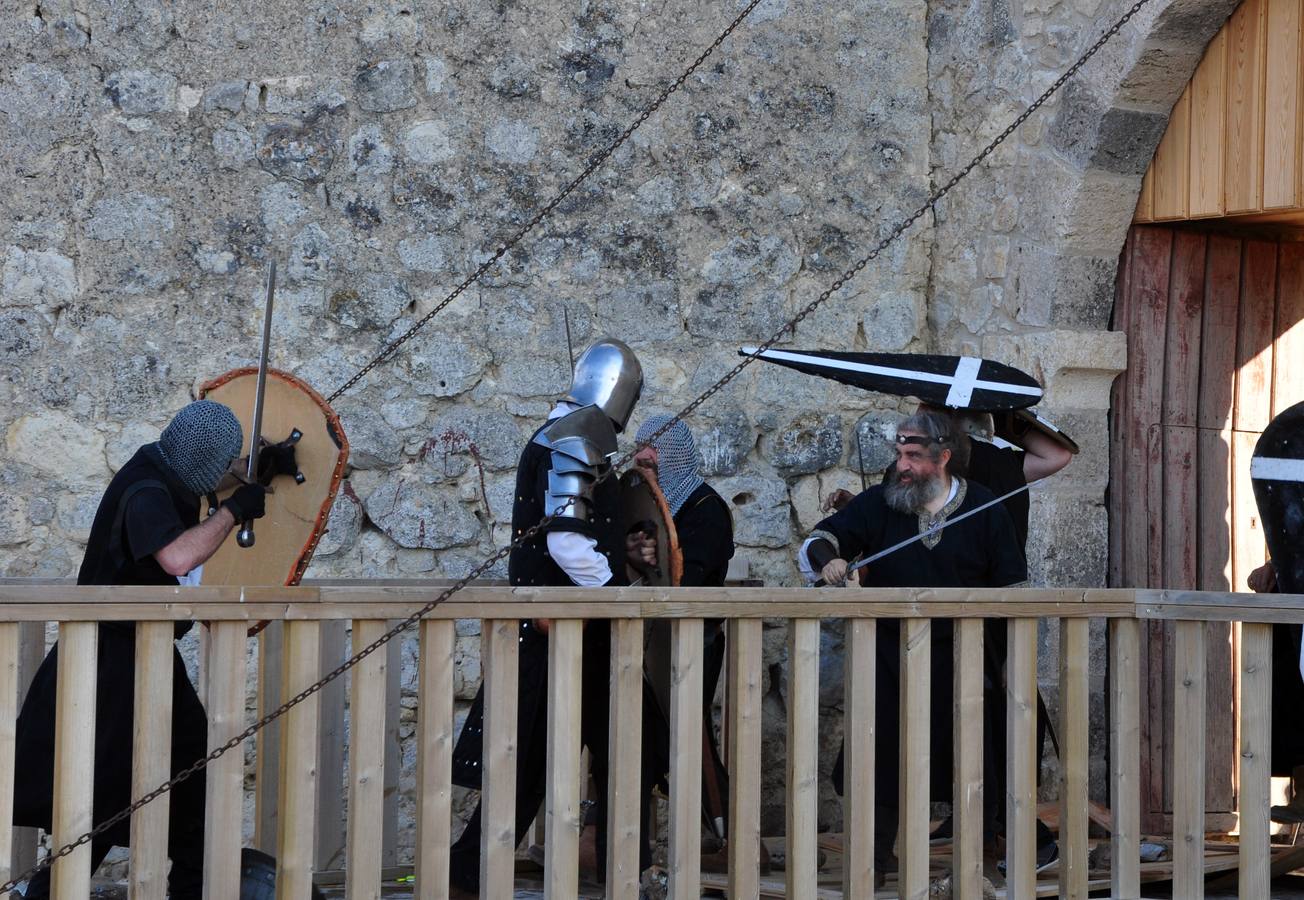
(276,459)
(248,502)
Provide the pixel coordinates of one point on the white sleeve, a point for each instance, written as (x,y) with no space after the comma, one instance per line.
(803,560)
(578,556)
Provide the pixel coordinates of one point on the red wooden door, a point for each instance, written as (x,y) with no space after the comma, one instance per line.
(1213,353)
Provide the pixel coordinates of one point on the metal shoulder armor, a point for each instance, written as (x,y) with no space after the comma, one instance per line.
(582,444)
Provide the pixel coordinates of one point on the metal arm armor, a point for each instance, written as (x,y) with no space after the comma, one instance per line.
(582,444)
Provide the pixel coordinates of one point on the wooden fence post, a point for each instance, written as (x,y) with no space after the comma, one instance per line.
(267,761)
(1255,797)
(967,794)
(561,845)
(224,785)
(151,759)
(1021,760)
(31,650)
(434,759)
(9,701)
(332,829)
(366,764)
(624,801)
(685,850)
(1125,756)
(296,811)
(498,796)
(1075,754)
(1188,759)
(74,756)
(744,687)
(802,866)
(915,758)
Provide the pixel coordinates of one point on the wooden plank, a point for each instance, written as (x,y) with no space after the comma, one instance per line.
(1256,749)
(1125,753)
(31,650)
(1281,143)
(967,798)
(1188,760)
(1243,179)
(332,833)
(1214,522)
(224,777)
(1254,337)
(1186,293)
(1021,759)
(625,744)
(1220,721)
(561,845)
(1218,323)
(1208,108)
(366,763)
(267,761)
(744,708)
(1075,752)
(298,779)
(1145,201)
(9,701)
(915,756)
(685,850)
(802,810)
(393,751)
(859,735)
(434,759)
(74,756)
(1249,550)
(1180,504)
(501,659)
(1288,372)
(1172,163)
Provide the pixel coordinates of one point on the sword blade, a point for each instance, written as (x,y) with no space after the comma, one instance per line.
(261,388)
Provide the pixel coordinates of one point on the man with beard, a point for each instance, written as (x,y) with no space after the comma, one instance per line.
(146,532)
(581,546)
(704,527)
(980,551)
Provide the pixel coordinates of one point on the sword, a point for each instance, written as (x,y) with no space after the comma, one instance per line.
(245,537)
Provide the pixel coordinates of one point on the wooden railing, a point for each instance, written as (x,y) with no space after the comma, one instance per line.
(304,611)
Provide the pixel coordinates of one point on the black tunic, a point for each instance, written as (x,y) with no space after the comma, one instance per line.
(143,510)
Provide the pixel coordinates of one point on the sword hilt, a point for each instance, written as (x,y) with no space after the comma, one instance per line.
(245,536)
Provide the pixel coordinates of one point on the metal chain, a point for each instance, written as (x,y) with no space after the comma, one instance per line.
(531,532)
(547,210)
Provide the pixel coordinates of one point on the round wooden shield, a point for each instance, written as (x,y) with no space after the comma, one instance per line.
(644,508)
(286,537)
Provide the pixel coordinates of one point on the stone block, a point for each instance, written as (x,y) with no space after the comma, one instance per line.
(131,216)
(891,323)
(1068,539)
(282,205)
(498,437)
(233,145)
(36,278)
(58,445)
(761,510)
(445,365)
(805,444)
(642,312)
(228,96)
(512,141)
(344,524)
(21,334)
(416,515)
(141,92)
(372,302)
(386,86)
(877,447)
(1076,368)
(1127,139)
(368,152)
(742,260)
(428,142)
(724,441)
(373,444)
(304,152)
(428,253)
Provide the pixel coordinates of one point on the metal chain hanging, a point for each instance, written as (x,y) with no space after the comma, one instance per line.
(895,232)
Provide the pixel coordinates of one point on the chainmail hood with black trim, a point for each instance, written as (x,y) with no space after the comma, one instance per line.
(200,443)
(677,464)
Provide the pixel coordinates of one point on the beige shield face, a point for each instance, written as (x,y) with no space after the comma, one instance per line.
(296,513)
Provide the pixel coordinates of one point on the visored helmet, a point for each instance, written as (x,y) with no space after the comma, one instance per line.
(608,376)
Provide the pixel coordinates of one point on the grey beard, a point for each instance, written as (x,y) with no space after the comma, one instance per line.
(910,497)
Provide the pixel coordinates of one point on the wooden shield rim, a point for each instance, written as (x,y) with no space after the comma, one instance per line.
(649,476)
(337,476)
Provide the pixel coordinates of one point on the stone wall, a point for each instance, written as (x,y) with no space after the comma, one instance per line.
(157,155)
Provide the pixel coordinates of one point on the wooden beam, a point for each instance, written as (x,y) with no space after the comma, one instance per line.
(1243,181)
(1281,143)
(967,798)
(1075,752)
(267,759)
(1188,759)
(1208,109)
(562,813)
(1021,760)
(1172,163)
(624,799)
(1254,339)
(498,798)
(916,758)
(31,650)
(9,700)
(393,757)
(1254,795)
(1125,756)
(74,756)
(366,763)
(224,777)
(434,760)
(1288,374)
(802,808)
(859,734)
(332,824)
(744,687)
(297,806)
(685,850)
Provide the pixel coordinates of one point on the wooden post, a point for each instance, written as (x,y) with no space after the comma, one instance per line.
(744,688)
(967,796)
(1254,795)
(501,659)
(31,650)
(267,762)
(393,750)
(224,777)
(915,758)
(332,832)
(685,850)
(859,734)
(1021,760)
(1188,759)
(366,764)
(74,756)
(1125,756)
(1074,756)
(802,866)
(561,845)
(434,759)
(298,781)
(624,808)
(9,700)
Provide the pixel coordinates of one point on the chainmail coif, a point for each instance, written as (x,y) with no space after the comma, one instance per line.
(677,464)
(200,443)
